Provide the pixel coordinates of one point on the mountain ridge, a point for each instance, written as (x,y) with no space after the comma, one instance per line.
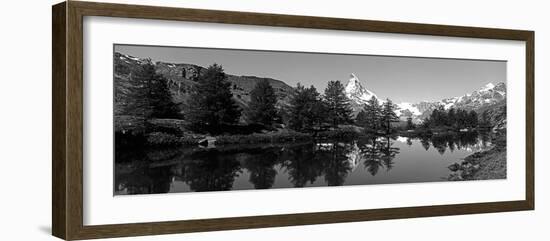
(182,77)
(487,95)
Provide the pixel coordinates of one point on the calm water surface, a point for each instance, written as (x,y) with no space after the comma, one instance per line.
(381,160)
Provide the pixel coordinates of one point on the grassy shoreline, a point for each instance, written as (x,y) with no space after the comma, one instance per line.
(168,138)
(439,131)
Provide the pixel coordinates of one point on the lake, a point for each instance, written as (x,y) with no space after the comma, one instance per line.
(374,160)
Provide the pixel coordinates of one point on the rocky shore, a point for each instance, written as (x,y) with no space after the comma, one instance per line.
(485,165)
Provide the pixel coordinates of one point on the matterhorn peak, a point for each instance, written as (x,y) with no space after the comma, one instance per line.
(353,77)
(356,92)
(353,83)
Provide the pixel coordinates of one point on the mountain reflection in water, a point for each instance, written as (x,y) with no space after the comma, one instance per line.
(376,160)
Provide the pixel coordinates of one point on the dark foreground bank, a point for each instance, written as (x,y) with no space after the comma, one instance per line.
(484,165)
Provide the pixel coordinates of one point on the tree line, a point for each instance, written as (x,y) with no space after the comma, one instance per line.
(455,118)
(147,96)
(211,108)
(377,118)
(311,111)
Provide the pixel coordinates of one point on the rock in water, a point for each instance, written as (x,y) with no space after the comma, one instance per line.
(208,142)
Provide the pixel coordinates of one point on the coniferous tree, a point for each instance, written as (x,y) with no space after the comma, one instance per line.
(211,106)
(438,118)
(388,116)
(148,95)
(337,104)
(410,124)
(432,119)
(262,104)
(451,117)
(472,119)
(373,115)
(361,118)
(426,123)
(457,119)
(319,113)
(462,118)
(441,117)
(306,109)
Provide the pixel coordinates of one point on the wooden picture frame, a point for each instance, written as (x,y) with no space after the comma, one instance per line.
(67,124)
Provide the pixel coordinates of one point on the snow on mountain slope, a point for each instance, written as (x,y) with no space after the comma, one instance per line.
(488,87)
(359,96)
(487,95)
(410,107)
(356,92)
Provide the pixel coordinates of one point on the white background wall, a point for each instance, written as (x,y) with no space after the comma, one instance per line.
(25,120)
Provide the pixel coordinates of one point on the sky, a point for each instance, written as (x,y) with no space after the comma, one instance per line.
(402,79)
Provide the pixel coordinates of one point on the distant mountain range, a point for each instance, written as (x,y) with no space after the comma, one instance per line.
(489,95)
(182,76)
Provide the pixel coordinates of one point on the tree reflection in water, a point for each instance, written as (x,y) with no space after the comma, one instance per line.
(337,164)
(303,166)
(329,159)
(262,168)
(211,171)
(308,164)
(378,152)
(455,141)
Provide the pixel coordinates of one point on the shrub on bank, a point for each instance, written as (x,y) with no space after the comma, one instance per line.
(130,125)
(190,140)
(162,139)
(273,137)
(165,126)
(168,139)
(339,134)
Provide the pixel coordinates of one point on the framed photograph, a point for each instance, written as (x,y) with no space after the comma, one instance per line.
(171,120)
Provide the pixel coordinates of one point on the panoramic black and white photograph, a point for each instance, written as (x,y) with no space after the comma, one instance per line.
(204,119)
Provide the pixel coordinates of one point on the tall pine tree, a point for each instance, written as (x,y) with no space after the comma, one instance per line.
(262,104)
(472,119)
(372,115)
(451,117)
(388,116)
(147,95)
(306,109)
(210,106)
(461,118)
(361,118)
(410,124)
(337,104)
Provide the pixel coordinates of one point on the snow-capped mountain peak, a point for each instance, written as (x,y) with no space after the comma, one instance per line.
(488,87)
(408,106)
(356,92)
(487,95)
